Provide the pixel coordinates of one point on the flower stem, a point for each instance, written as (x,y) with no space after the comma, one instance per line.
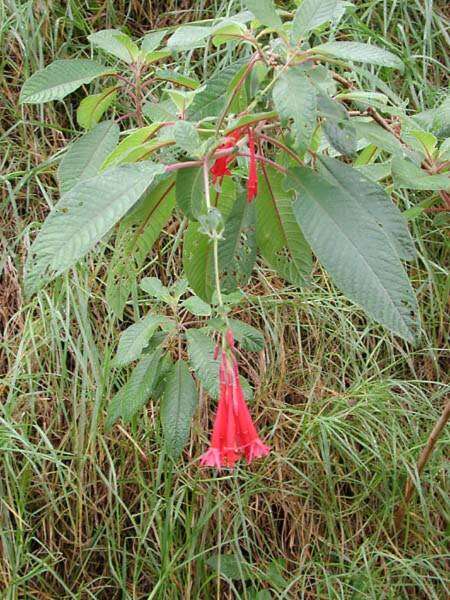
(215,240)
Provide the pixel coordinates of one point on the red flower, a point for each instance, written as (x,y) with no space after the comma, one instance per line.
(220,166)
(234,433)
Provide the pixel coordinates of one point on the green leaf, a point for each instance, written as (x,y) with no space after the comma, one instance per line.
(135,239)
(375,171)
(250,120)
(154,287)
(278,235)
(337,126)
(177,79)
(312,14)
(198,261)
(441,120)
(211,100)
(201,355)
(358,52)
(127,147)
(381,138)
(355,251)
(82,217)
(116,43)
(248,337)
(152,40)
(93,107)
(373,199)
(408,176)
(189,191)
(187,37)
(265,13)
(187,138)
(227,32)
(294,97)
(341,135)
(177,408)
(137,391)
(85,156)
(237,249)
(135,338)
(151,57)
(59,79)
(197,307)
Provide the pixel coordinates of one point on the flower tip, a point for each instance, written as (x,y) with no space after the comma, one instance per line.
(256,450)
(211,458)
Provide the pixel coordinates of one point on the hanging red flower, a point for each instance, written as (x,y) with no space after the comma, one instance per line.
(234,433)
(220,167)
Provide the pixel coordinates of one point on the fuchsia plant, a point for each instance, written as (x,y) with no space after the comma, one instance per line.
(276,156)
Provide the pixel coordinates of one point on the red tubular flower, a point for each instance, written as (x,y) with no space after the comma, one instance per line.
(220,166)
(252,182)
(234,433)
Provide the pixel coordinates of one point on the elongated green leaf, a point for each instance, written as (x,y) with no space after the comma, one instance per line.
(154,287)
(92,108)
(294,97)
(201,356)
(198,261)
(311,14)
(341,135)
(135,239)
(177,79)
(248,337)
(187,138)
(137,391)
(82,217)
(135,338)
(370,197)
(381,138)
(189,191)
(375,171)
(196,306)
(211,100)
(264,11)
(134,140)
(409,176)
(354,250)
(278,235)
(59,79)
(337,126)
(84,157)
(441,120)
(177,408)
(237,249)
(358,52)
(152,40)
(188,36)
(116,43)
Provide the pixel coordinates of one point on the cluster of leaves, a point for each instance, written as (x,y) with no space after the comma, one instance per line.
(323,145)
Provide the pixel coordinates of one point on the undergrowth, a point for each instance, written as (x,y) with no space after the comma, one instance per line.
(345,406)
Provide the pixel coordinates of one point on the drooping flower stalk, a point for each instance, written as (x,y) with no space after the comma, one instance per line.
(234,433)
(252,183)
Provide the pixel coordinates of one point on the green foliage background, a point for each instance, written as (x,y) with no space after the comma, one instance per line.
(87,513)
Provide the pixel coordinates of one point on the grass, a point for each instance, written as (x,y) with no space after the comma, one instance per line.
(345,407)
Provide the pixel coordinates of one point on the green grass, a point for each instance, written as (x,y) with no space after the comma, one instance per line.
(345,407)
